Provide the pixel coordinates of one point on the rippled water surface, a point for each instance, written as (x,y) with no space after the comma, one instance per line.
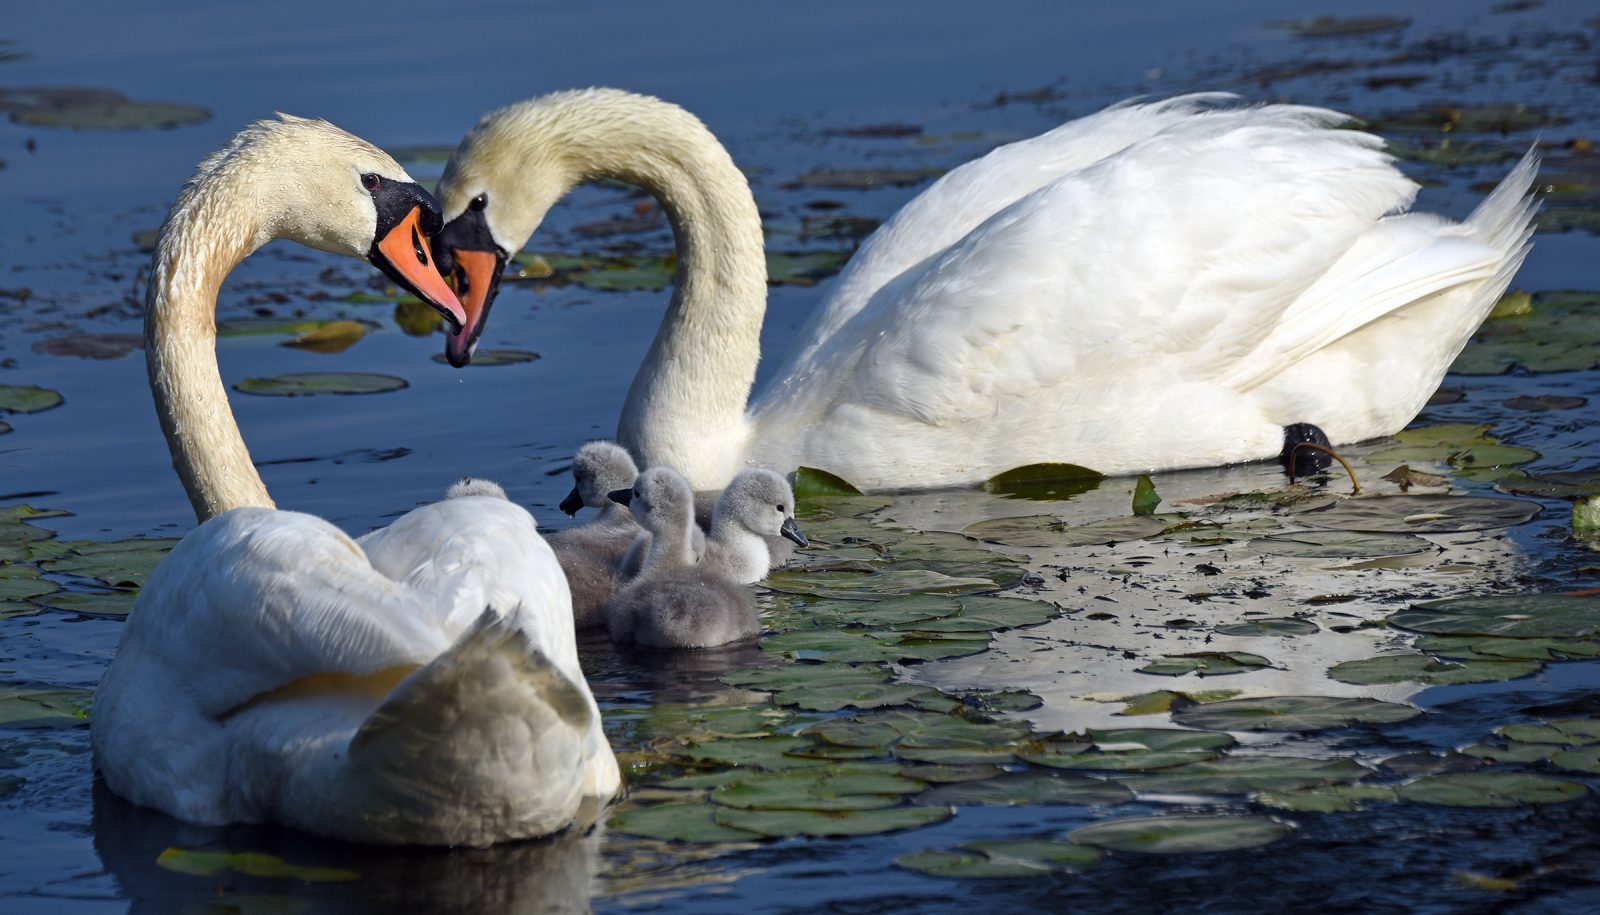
(792,90)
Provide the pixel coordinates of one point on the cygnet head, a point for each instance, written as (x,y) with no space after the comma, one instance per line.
(760,501)
(472,486)
(661,500)
(597,469)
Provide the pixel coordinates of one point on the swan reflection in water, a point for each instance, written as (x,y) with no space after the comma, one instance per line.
(554,874)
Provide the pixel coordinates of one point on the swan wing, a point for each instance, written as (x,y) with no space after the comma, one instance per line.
(1174,258)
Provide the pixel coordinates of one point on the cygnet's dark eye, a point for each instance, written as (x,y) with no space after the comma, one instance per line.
(370,181)
(779,506)
(479,202)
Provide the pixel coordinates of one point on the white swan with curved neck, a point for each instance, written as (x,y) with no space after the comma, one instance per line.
(1153,286)
(418,687)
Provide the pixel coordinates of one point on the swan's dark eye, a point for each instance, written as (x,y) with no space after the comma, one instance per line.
(479,202)
(370,181)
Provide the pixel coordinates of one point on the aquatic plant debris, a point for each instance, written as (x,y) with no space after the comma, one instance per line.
(309,384)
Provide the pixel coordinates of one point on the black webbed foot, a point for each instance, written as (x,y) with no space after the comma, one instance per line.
(1305,460)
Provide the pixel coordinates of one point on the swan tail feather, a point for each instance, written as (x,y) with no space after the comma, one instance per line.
(491,723)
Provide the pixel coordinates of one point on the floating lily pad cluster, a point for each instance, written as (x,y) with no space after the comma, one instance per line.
(39,572)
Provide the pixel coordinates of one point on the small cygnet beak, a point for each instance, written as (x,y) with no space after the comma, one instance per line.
(572,503)
(621,496)
(791,531)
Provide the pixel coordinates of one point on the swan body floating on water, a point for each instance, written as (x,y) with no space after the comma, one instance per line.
(1153,286)
(419,686)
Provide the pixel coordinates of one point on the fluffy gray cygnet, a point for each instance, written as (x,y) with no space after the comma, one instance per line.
(590,554)
(678,603)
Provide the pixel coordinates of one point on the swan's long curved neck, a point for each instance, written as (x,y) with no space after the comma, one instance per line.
(209,231)
(686,408)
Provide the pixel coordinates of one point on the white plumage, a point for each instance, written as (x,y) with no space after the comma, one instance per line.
(1153,286)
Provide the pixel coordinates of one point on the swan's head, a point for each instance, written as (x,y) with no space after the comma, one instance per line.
(597,469)
(760,501)
(322,187)
(661,500)
(516,163)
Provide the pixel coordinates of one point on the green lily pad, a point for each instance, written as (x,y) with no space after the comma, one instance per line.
(919,729)
(1490,789)
(1044,482)
(493,357)
(1414,668)
(1338,544)
(18,583)
(803,268)
(1270,625)
(1463,446)
(675,822)
(862,788)
(1203,532)
(1170,835)
(1165,700)
(1562,333)
(832,697)
(1470,648)
(119,563)
(114,603)
(306,384)
(803,676)
(842,645)
(31,707)
(1145,497)
(1050,531)
(1338,798)
(873,583)
(1291,713)
(1511,753)
(1016,788)
(1510,616)
(1581,759)
(1206,664)
(986,614)
(1421,514)
(999,858)
(1241,774)
(940,774)
(1571,732)
(27,399)
(76,108)
(249,863)
(755,752)
(1131,750)
(1573,484)
(957,756)
(821,824)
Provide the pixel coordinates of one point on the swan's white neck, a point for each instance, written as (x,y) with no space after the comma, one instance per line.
(686,408)
(214,225)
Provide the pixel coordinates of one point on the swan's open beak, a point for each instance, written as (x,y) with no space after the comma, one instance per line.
(791,531)
(468,254)
(572,503)
(406,214)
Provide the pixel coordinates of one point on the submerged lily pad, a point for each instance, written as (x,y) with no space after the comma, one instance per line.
(675,822)
(1050,531)
(1490,789)
(1044,482)
(866,645)
(870,583)
(495,357)
(1414,668)
(999,858)
(18,582)
(820,824)
(1338,798)
(1016,788)
(119,563)
(864,178)
(1568,731)
(77,108)
(27,399)
(1562,334)
(1470,647)
(1181,834)
(1339,544)
(1291,713)
(30,707)
(306,384)
(1510,616)
(1421,514)
(1241,774)
(90,346)
(249,863)
(1206,664)
(1271,625)
(859,788)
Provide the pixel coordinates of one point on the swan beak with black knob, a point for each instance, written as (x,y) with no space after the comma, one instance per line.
(466,253)
(407,217)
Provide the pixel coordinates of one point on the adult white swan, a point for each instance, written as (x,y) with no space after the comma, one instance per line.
(273,669)
(1153,286)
